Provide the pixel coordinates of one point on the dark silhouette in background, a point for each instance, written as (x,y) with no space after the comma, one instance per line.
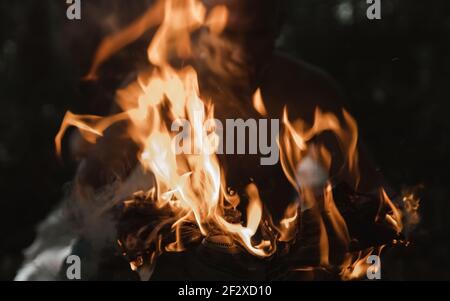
(395,72)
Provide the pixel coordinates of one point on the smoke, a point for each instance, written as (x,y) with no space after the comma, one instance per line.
(85,215)
(43,259)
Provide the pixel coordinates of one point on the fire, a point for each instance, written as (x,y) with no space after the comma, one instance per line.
(394,217)
(191,187)
(91,127)
(335,217)
(114,43)
(288,225)
(258,103)
(356,265)
(411,205)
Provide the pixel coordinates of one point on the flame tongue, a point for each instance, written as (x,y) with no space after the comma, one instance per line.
(189,183)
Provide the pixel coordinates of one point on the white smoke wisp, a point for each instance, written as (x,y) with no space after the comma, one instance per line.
(88,219)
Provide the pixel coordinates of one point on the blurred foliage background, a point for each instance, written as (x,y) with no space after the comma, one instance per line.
(395,72)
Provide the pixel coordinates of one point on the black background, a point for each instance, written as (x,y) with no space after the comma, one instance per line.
(395,72)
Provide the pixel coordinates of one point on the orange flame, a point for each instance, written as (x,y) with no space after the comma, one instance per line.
(394,216)
(190,184)
(91,127)
(288,223)
(335,216)
(117,41)
(355,266)
(294,142)
(258,103)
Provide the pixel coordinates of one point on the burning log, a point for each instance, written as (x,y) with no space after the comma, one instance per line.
(217,256)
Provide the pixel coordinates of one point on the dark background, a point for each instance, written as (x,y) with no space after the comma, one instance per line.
(395,72)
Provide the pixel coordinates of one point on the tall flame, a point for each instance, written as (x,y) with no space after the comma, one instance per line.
(191,184)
